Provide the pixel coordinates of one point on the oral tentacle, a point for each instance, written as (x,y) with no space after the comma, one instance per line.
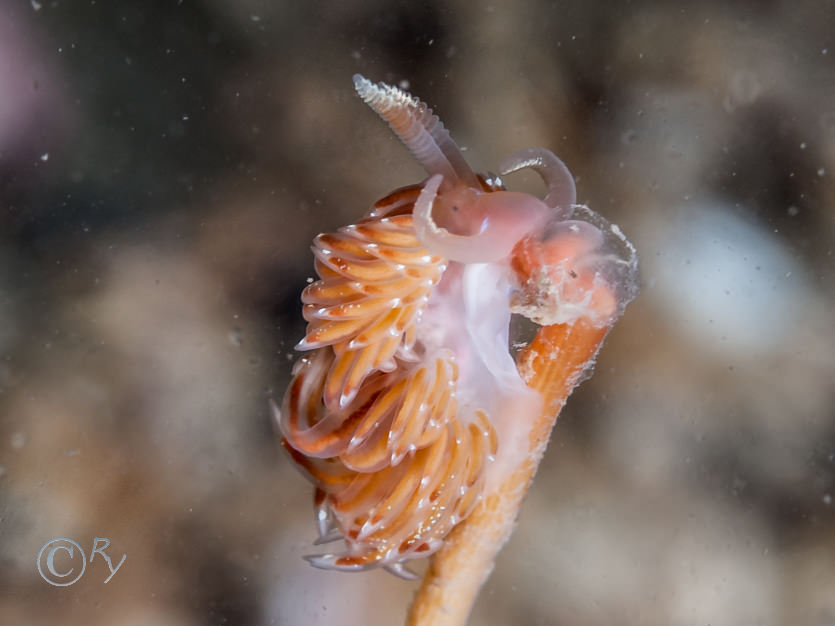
(499,220)
(459,248)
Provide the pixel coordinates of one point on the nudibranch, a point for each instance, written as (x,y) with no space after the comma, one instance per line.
(407,406)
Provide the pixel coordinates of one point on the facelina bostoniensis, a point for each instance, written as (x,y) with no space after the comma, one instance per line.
(401,410)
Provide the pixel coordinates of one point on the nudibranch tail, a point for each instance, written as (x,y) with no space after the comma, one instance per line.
(418,128)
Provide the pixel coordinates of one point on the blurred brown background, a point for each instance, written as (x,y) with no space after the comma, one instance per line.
(163,167)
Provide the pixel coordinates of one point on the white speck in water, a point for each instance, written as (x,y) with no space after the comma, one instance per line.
(403,84)
(45,156)
(803,145)
(793,210)
(236,337)
(18,440)
(36,5)
(628,136)
(255,18)
(827,499)
(744,89)
(821,172)
(825,51)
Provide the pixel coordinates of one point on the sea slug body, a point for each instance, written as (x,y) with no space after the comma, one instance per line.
(406,405)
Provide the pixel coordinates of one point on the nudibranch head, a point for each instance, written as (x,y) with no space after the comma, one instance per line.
(407,405)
